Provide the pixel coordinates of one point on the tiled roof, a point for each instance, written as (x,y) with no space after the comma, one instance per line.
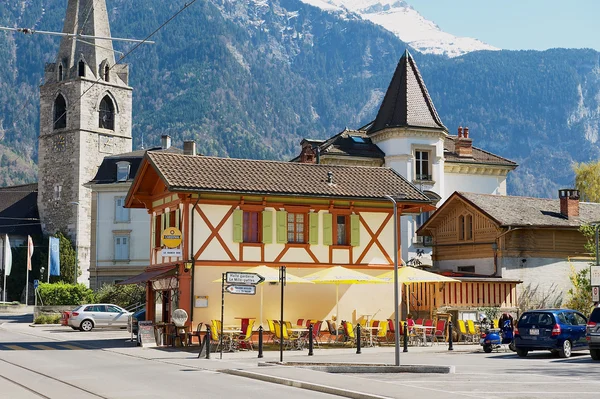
(525,211)
(407,102)
(107,172)
(348,143)
(479,156)
(18,210)
(199,173)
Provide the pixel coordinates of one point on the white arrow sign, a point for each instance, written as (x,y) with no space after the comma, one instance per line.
(241,289)
(243,278)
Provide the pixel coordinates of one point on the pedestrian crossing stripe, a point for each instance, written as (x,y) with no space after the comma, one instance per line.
(73,347)
(30,346)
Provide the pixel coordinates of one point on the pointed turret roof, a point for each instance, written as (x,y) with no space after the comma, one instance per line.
(407,102)
(86,17)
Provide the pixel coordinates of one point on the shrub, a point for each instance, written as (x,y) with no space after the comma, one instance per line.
(580,295)
(58,294)
(47,319)
(126,296)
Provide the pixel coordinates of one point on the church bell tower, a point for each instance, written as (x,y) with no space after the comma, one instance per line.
(85,115)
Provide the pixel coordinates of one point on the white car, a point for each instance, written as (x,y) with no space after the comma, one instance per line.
(87,317)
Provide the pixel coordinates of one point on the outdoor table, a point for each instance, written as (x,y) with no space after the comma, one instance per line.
(301,333)
(423,330)
(370,330)
(231,334)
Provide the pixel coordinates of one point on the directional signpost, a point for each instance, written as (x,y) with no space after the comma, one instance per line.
(237,283)
(241,289)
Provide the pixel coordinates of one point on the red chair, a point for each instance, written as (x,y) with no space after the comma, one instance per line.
(316,332)
(300,322)
(429,331)
(440,331)
(418,322)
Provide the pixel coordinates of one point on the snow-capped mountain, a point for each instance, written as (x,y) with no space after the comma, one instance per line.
(400,18)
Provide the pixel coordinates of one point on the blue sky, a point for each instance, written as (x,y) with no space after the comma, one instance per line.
(518,24)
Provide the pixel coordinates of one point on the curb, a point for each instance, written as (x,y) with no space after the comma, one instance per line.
(349,368)
(46,325)
(303,385)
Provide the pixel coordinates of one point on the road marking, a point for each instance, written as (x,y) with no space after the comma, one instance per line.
(44,347)
(73,347)
(15,347)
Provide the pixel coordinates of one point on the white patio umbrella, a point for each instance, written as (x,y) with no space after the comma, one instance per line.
(340,275)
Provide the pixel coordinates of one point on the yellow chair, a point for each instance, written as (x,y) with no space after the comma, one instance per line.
(214,334)
(349,332)
(462,329)
(496,323)
(382,333)
(271,336)
(472,332)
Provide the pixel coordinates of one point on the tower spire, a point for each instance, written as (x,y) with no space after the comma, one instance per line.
(86,17)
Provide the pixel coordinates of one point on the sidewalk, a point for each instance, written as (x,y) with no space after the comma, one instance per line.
(246,364)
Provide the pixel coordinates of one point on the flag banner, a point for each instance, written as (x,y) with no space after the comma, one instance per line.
(54,246)
(7,256)
(29,252)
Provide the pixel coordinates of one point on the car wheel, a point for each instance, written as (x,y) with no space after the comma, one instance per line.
(565,351)
(86,325)
(522,352)
(487,348)
(595,354)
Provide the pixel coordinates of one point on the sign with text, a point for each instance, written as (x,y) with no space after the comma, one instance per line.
(595,294)
(175,252)
(241,289)
(146,336)
(171,237)
(243,278)
(595,275)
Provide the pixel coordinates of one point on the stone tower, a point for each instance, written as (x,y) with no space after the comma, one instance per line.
(85,115)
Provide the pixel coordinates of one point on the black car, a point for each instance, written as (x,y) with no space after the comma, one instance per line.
(132,323)
(593,333)
(560,331)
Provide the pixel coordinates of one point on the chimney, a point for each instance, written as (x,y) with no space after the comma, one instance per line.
(189,147)
(165,141)
(569,202)
(464,145)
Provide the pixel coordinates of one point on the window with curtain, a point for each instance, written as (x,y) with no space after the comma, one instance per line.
(296,227)
(252,226)
(342,229)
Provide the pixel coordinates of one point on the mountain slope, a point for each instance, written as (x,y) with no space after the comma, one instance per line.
(252,78)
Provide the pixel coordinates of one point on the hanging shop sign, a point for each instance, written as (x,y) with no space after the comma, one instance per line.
(171,237)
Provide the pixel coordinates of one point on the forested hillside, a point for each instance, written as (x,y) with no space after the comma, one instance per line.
(252,78)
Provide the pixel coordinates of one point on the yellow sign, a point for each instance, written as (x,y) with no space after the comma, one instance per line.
(171,237)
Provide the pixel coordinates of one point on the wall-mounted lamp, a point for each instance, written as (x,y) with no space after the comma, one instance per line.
(187,265)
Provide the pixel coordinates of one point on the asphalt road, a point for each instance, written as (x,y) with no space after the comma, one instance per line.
(60,362)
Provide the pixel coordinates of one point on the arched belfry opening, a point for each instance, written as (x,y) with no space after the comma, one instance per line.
(60,73)
(107,113)
(81,68)
(107,73)
(60,112)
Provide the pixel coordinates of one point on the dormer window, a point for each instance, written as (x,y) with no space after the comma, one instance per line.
(81,68)
(107,114)
(60,112)
(60,73)
(123,169)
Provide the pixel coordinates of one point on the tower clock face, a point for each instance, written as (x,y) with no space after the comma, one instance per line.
(59,143)
(105,144)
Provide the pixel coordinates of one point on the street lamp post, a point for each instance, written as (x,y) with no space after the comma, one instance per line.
(76,238)
(396,296)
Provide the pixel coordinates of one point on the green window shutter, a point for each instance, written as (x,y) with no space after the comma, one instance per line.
(163,219)
(177,216)
(238,223)
(267,227)
(153,235)
(327,229)
(282,227)
(313,237)
(354,230)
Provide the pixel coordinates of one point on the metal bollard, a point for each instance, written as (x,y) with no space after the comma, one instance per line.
(310,340)
(260,342)
(450,348)
(358,339)
(207,339)
(405,336)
